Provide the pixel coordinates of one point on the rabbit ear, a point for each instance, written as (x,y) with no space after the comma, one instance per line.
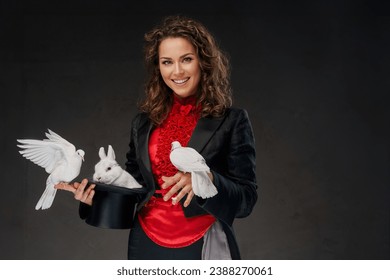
(111,153)
(102,154)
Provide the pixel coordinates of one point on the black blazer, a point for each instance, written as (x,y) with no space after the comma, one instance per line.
(228,146)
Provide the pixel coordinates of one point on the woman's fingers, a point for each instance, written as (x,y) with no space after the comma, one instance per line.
(181,185)
(175,181)
(81,191)
(88,195)
(188,199)
(65,187)
(169,181)
(80,188)
(183,192)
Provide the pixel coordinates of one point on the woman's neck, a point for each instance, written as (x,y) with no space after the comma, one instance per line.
(184,100)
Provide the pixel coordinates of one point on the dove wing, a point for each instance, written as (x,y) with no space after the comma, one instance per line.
(54,137)
(68,148)
(188,159)
(45,153)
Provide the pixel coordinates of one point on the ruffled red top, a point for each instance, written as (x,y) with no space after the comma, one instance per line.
(163,222)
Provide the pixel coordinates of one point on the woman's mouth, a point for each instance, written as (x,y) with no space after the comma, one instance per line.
(180,82)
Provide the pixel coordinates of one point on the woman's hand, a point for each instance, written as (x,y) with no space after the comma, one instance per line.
(181,185)
(79,190)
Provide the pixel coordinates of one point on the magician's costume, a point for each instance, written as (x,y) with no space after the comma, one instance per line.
(227,145)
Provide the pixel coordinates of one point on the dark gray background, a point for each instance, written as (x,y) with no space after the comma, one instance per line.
(313,76)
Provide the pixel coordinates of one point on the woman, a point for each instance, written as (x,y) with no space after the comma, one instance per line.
(188,99)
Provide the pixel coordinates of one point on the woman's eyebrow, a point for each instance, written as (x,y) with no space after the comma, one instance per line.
(184,55)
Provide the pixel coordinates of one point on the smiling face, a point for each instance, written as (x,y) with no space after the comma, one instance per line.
(179,66)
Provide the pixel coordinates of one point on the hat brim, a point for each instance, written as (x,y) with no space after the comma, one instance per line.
(117,189)
(113,207)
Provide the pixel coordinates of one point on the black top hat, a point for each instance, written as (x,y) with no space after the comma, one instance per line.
(113,207)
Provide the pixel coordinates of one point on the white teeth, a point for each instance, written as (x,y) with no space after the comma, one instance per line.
(180,81)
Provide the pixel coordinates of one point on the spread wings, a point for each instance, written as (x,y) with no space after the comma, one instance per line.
(47,153)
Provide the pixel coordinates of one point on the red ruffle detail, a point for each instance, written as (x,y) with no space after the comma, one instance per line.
(162,221)
(178,126)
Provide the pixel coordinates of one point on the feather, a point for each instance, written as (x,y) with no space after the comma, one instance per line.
(58,157)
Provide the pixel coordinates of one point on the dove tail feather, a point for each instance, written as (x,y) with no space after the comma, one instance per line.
(202,185)
(47,197)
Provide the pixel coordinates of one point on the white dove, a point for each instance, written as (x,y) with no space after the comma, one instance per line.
(59,158)
(187,159)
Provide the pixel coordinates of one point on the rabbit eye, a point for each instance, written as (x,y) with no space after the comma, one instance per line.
(108,168)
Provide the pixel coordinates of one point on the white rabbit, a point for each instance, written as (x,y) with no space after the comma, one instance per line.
(108,171)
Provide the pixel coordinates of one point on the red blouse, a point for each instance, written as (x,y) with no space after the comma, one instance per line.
(163,222)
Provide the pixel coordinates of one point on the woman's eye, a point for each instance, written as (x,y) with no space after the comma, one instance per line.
(187,59)
(166,62)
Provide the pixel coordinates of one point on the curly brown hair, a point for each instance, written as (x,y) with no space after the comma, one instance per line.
(214,95)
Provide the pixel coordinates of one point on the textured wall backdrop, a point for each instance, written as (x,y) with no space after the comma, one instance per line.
(311,75)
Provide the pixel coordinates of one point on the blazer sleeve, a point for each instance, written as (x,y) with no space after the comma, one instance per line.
(132,163)
(237,187)
(131,156)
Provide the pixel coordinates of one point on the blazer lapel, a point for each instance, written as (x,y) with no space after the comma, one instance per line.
(203,132)
(201,135)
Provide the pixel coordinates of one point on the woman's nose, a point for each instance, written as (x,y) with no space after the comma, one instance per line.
(178,68)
